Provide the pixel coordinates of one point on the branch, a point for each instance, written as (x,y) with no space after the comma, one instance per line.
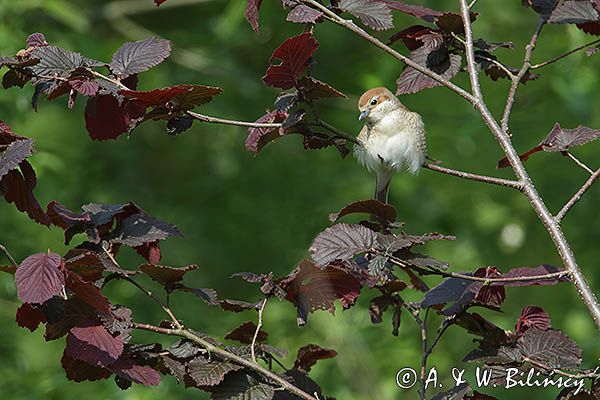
(349,24)
(577,196)
(9,256)
(576,160)
(510,101)
(560,372)
(147,292)
(424,355)
(537,203)
(474,177)
(258,326)
(568,53)
(186,333)
(487,281)
(216,120)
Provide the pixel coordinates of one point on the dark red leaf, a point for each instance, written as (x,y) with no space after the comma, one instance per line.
(383,212)
(129,370)
(29,317)
(36,40)
(304,14)
(14,77)
(40,277)
(80,371)
(411,36)
(150,251)
(524,272)
(88,293)
(311,288)
(9,269)
(136,57)
(310,354)
(314,89)
(259,137)
(294,54)
(17,187)
(159,2)
(532,317)
(209,296)
(157,97)
(92,343)
(375,14)
(106,119)
(245,333)
(163,274)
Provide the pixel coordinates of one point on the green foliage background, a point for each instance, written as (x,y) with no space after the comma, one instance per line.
(245,213)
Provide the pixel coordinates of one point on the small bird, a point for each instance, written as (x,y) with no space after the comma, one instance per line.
(392,139)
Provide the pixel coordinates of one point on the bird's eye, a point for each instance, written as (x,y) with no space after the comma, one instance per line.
(373,102)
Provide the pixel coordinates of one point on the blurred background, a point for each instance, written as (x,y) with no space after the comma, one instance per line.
(241,212)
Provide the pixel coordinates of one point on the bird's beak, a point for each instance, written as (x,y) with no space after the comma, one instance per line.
(364,115)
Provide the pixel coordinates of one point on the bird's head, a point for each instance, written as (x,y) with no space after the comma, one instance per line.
(376,103)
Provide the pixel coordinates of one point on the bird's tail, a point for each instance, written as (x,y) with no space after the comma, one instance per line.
(382,186)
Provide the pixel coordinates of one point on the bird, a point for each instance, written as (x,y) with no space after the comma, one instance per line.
(392,139)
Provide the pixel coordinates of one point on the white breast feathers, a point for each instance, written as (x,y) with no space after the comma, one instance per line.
(394,143)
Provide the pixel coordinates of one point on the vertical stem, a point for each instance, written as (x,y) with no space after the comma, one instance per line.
(547,219)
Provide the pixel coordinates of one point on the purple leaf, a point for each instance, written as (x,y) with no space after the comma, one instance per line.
(93,344)
(342,242)
(433,55)
(14,154)
(304,14)
(574,12)
(424,13)
(252,13)
(374,14)
(36,40)
(561,139)
(259,137)
(532,317)
(551,348)
(40,277)
(309,355)
(140,56)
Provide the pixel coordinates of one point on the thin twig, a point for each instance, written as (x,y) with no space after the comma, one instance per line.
(216,120)
(474,177)
(537,203)
(9,256)
(581,164)
(472,4)
(497,63)
(338,132)
(577,196)
(190,335)
(147,292)
(561,372)
(510,100)
(487,281)
(258,326)
(349,24)
(568,53)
